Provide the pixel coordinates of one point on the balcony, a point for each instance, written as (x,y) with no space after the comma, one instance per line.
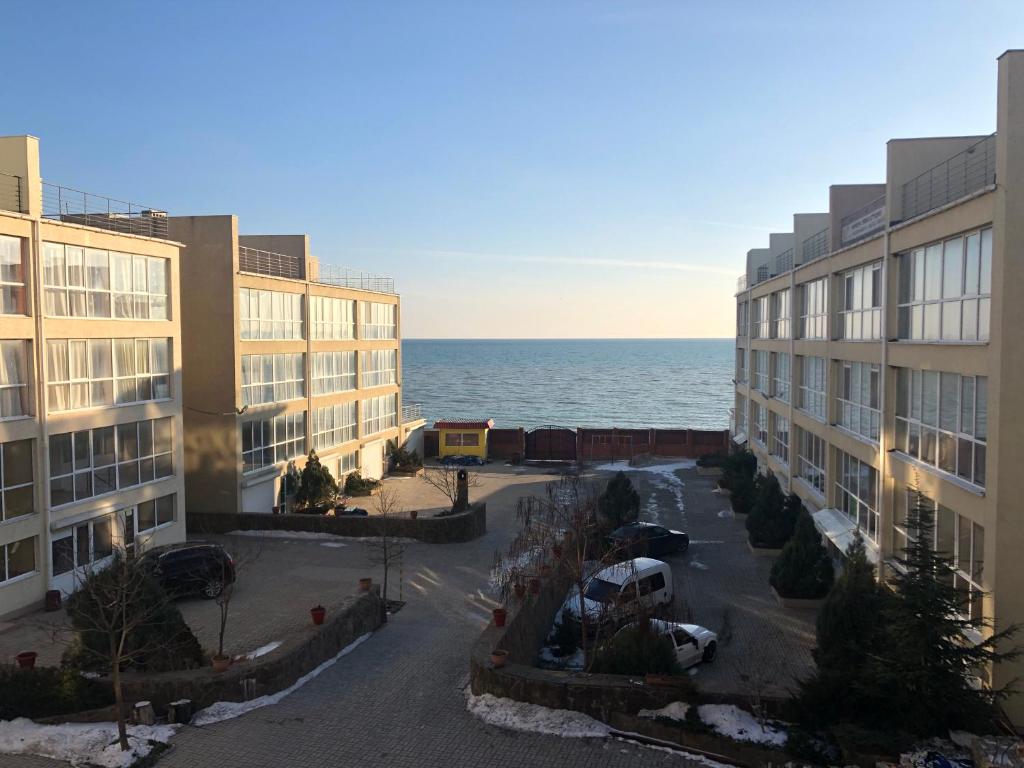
(269,263)
(411,412)
(741,284)
(959,176)
(76,207)
(866,221)
(11,193)
(815,246)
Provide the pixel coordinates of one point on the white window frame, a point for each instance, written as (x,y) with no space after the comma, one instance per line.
(760,318)
(5,564)
(12,276)
(334,425)
(857,406)
(269,315)
(812,455)
(759,362)
(780,433)
(287,378)
(333,372)
(781,314)
(861,293)
(378,368)
(812,398)
(855,496)
(123,295)
(378,320)
(6,489)
(94,391)
(781,376)
(814,309)
(14,379)
(332,318)
(273,441)
(379,413)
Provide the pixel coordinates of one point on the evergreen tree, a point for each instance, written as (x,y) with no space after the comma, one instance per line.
(620,502)
(772,515)
(804,569)
(317,486)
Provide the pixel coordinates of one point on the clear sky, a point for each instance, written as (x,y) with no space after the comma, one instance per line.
(549,169)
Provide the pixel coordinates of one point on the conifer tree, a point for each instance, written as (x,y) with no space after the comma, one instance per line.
(772,515)
(620,502)
(804,569)
(317,486)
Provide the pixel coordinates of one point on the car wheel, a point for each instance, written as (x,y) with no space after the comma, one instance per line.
(709,652)
(212,588)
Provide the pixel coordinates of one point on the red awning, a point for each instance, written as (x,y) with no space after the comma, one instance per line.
(464,424)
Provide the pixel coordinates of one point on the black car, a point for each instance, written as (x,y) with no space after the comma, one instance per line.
(192,568)
(643,539)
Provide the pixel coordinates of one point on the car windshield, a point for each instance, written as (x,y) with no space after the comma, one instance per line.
(601,591)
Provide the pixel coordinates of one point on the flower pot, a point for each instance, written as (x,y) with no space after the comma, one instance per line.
(318,613)
(534,586)
(520,590)
(365,583)
(500,614)
(545,571)
(220,663)
(53,600)
(414,514)
(27,659)
(498,657)
(557,552)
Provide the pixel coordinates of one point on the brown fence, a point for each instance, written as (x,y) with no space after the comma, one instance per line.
(508,444)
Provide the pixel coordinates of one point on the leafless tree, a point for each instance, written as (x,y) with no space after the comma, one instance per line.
(758,679)
(244,556)
(387,549)
(445,478)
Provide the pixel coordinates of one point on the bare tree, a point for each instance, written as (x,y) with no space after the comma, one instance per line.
(244,557)
(445,478)
(387,549)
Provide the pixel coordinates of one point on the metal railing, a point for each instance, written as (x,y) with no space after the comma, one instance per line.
(741,283)
(784,262)
(864,222)
(342,277)
(77,207)
(11,195)
(762,274)
(815,246)
(960,175)
(269,263)
(411,412)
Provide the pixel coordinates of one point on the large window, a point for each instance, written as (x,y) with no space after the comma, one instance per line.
(781,316)
(760,321)
(379,413)
(87,373)
(150,515)
(333,372)
(759,370)
(332,318)
(780,437)
(741,414)
(273,378)
(348,462)
(269,314)
(860,316)
(16,495)
(378,321)
(942,420)
(811,457)
(14,391)
(742,319)
(758,423)
(944,290)
(812,386)
(857,493)
(780,376)
(266,442)
(17,558)
(333,425)
(87,282)
(84,545)
(857,403)
(741,365)
(814,309)
(93,462)
(378,367)
(12,277)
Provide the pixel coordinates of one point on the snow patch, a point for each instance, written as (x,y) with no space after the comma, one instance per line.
(738,724)
(263,650)
(725,514)
(226,710)
(532,718)
(550,658)
(698,565)
(675,711)
(296,535)
(81,744)
(524,563)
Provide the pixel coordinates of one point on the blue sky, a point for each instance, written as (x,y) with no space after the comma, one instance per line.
(521,169)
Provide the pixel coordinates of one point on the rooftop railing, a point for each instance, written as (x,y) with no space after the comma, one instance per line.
(741,283)
(11,195)
(342,277)
(762,274)
(959,176)
(815,246)
(784,262)
(269,263)
(77,207)
(411,412)
(864,222)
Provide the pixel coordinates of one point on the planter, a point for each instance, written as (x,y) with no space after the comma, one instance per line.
(545,571)
(220,663)
(365,583)
(764,551)
(535,586)
(414,514)
(498,657)
(500,614)
(520,590)
(27,659)
(805,603)
(318,613)
(407,471)
(53,600)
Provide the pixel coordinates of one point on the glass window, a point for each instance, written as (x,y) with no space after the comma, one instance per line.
(269,314)
(861,315)
(379,367)
(857,493)
(12,277)
(333,372)
(812,386)
(857,402)
(780,314)
(88,282)
(332,318)
(742,319)
(814,309)
(780,376)
(16,475)
(811,460)
(379,413)
(758,423)
(14,390)
(780,437)
(759,370)
(17,558)
(333,425)
(378,320)
(270,441)
(273,378)
(760,320)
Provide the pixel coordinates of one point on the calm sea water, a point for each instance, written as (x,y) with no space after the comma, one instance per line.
(599,383)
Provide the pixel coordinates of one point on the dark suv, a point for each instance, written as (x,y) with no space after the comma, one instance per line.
(194,568)
(640,539)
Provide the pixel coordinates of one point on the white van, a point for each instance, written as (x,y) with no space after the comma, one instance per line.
(615,594)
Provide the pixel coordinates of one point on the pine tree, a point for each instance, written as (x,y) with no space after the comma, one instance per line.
(804,569)
(317,486)
(772,515)
(620,502)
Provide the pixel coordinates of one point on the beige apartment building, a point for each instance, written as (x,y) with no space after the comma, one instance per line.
(90,381)
(879,345)
(282,355)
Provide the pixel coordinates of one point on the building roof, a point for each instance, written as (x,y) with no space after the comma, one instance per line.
(464,424)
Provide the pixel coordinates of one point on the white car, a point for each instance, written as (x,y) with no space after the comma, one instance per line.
(617,592)
(693,643)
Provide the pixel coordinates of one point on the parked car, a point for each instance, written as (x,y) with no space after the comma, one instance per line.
(343,510)
(640,539)
(193,568)
(693,643)
(615,594)
(463,461)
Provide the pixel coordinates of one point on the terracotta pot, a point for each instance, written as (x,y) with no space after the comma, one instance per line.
(545,571)
(220,663)
(365,584)
(534,586)
(498,657)
(318,613)
(520,590)
(500,614)
(27,659)
(53,600)
(557,552)
(414,514)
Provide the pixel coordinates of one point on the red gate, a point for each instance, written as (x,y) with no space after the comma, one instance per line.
(551,443)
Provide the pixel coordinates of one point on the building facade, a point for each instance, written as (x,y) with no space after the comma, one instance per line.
(90,381)
(879,349)
(282,355)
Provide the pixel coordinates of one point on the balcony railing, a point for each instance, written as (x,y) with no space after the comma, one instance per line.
(866,221)
(762,274)
(269,263)
(815,246)
(411,412)
(77,207)
(959,176)
(784,262)
(342,277)
(11,195)
(741,284)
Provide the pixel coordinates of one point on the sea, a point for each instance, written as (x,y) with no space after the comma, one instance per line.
(665,383)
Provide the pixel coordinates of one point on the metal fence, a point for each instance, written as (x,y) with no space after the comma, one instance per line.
(270,263)
(411,412)
(784,262)
(741,283)
(960,175)
(762,274)
(342,277)
(77,207)
(11,194)
(815,246)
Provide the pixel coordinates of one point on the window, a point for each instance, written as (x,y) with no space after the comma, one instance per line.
(379,413)
(332,318)
(813,309)
(14,394)
(87,282)
(17,558)
(84,545)
(812,386)
(857,493)
(378,367)
(333,372)
(154,514)
(810,464)
(860,317)
(741,414)
(349,462)
(16,495)
(742,319)
(266,442)
(780,314)
(333,425)
(461,439)
(758,423)
(378,321)
(857,406)
(269,314)
(945,290)
(12,277)
(84,374)
(780,376)
(102,460)
(273,378)
(942,420)
(780,437)
(741,365)
(759,370)
(759,320)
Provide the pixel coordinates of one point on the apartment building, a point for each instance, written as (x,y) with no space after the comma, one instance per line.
(282,354)
(879,347)
(90,382)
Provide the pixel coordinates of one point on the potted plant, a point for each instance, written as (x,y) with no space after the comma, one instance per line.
(318,612)
(500,614)
(220,662)
(498,657)
(27,659)
(365,583)
(534,586)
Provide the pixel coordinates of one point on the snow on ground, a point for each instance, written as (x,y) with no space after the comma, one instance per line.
(532,718)
(329,539)
(263,650)
(675,711)
(523,563)
(698,565)
(81,744)
(573,661)
(665,477)
(738,724)
(725,514)
(226,710)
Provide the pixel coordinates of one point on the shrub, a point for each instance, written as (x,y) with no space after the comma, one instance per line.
(709,460)
(48,692)
(804,569)
(316,485)
(772,515)
(619,503)
(405,460)
(743,491)
(357,485)
(637,651)
(564,637)
(736,466)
